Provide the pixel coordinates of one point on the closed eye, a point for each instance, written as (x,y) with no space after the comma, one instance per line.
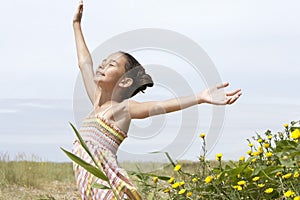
(103,62)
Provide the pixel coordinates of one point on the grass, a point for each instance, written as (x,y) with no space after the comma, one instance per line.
(34,179)
(30,178)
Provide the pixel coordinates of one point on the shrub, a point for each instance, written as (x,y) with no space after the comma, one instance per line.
(270,170)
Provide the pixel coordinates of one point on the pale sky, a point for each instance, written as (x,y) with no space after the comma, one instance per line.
(254,44)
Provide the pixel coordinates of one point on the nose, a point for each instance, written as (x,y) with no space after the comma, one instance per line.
(100,66)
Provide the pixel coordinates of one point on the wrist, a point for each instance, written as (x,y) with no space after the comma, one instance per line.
(76,23)
(200,99)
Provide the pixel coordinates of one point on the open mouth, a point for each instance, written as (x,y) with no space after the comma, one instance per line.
(99,73)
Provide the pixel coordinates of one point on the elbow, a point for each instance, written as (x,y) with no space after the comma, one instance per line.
(83,65)
(157,110)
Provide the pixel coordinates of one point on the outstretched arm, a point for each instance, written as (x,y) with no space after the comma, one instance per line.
(85,62)
(214,95)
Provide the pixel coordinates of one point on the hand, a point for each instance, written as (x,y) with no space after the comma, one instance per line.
(78,13)
(217,96)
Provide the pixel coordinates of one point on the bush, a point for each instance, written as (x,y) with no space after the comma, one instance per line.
(270,170)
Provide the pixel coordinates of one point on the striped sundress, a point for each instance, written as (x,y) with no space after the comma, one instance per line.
(103,140)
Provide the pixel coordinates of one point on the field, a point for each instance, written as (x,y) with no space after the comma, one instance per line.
(269,171)
(24,180)
(36,180)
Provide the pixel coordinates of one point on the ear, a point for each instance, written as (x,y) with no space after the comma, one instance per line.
(126,82)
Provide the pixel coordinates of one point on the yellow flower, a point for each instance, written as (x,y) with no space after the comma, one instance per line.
(256,153)
(269,190)
(241,183)
(295,134)
(166,190)
(259,140)
(177,168)
(237,187)
(189,194)
(175,185)
(253,160)
(261,185)
(250,144)
(209,179)
(155,179)
(260,150)
(278,174)
(256,178)
(242,158)
(249,152)
(297,198)
(195,180)
(289,193)
(296,175)
(270,137)
(171,180)
(287,176)
(182,191)
(269,154)
(219,156)
(285,125)
(181,183)
(202,135)
(266,145)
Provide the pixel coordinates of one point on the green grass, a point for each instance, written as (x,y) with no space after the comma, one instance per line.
(35,179)
(33,173)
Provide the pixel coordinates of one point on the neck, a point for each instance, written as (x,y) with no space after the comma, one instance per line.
(108,96)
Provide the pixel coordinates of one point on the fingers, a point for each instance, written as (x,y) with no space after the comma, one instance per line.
(234,98)
(223,85)
(80,7)
(233,93)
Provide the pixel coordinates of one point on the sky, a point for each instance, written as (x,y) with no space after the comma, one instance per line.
(253,44)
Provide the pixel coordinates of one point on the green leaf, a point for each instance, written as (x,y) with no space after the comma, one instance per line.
(100,186)
(285,145)
(93,170)
(83,144)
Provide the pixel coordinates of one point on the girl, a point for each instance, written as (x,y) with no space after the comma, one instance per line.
(119,77)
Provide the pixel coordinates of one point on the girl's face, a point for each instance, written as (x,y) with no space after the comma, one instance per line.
(110,70)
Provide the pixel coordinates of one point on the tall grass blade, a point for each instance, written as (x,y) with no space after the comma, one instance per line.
(93,170)
(170,159)
(100,186)
(83,144)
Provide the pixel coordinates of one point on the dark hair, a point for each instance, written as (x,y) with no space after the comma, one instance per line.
(134,70)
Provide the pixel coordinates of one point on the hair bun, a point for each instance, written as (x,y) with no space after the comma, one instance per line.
(141,80)
(136,71)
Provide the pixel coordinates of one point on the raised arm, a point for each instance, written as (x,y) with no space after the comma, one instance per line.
(85,62)
(214,95)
